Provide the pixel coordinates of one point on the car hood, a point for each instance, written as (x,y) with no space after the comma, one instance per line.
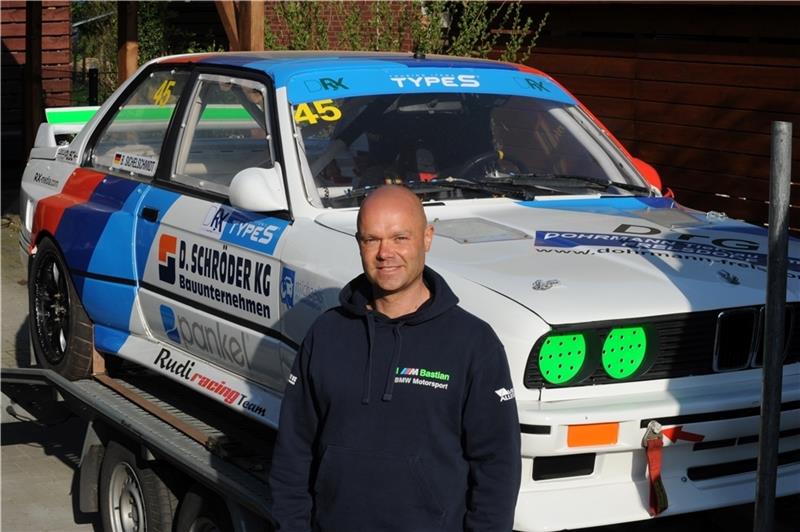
(574,260)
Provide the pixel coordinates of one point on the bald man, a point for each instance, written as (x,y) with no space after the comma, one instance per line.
(399,414)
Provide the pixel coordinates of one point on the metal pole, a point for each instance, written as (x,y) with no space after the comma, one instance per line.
(94,81)
(774,337)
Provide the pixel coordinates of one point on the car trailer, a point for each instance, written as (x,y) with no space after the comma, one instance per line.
(149,462)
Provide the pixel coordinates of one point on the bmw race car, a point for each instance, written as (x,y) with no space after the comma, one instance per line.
(204,216)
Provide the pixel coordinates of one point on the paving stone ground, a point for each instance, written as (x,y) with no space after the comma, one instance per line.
(40,441)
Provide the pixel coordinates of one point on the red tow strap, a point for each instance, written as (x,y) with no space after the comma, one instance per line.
(677,433)
(653,443)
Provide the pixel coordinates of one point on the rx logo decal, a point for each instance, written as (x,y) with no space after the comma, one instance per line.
(216,217)
(170,324)
(167,245)
(287,287)
(528,83)
(326,84)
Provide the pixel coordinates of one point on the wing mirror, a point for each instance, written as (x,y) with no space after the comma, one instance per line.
(651,175)
(259,190)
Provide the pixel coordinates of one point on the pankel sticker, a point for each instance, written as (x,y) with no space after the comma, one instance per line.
(135,163)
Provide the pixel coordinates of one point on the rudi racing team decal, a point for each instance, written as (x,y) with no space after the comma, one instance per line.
(648,241)
(210,381)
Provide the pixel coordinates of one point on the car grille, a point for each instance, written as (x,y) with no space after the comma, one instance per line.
(697,343)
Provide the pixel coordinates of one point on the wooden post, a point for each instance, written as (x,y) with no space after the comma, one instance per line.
(227,14)
(251,25)
(32,85)
(127,40)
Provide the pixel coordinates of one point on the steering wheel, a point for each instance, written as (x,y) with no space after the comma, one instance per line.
(491,161)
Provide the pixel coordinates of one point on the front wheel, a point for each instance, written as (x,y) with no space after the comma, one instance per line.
(61,332)
(133,498)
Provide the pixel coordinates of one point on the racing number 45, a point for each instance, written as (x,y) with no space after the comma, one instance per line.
(324,110)
(161,96)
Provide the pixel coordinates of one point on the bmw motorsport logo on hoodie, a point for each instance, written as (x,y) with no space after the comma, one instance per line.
(422,377)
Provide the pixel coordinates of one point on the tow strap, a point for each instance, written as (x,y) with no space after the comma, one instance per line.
(653,443)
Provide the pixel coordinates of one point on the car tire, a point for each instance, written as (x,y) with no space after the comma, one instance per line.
(60,330)
(201,511)
(133,497)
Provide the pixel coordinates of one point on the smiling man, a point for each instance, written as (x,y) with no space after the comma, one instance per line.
(399,414)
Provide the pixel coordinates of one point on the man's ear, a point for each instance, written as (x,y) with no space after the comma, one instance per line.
(428,237)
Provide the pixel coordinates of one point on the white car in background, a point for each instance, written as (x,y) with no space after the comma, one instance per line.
(204,216)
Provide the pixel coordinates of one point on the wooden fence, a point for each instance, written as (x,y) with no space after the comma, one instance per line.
(690,89)
(56,75)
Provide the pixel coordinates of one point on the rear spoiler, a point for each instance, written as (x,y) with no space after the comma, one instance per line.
(59,121)
(69,120)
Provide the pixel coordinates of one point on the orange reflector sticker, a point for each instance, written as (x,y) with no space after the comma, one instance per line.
(595,434)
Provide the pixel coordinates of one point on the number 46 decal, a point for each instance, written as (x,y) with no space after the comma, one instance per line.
(324,110)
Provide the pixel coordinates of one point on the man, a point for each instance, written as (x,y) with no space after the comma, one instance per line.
(392,420)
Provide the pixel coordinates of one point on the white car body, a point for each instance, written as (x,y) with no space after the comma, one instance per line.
(526,267)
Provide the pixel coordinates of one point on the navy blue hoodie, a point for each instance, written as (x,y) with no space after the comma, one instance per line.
(405,424)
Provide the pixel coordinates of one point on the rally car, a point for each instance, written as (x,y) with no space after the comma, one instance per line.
(204,216)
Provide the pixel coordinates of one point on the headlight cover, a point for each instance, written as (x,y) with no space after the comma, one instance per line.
(568,357)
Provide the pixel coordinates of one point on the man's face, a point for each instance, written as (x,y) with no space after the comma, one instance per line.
(393,238)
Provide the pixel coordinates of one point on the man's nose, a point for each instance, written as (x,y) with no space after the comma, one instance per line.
(385,249)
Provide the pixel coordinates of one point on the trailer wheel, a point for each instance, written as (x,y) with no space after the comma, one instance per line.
(201,511)
(60,330)
(133,498)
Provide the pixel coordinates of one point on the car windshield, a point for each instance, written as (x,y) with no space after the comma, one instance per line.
(456,146)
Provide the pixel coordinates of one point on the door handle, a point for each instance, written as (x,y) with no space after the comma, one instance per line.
(150,214)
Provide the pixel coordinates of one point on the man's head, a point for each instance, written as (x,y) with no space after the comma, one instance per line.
(393,237)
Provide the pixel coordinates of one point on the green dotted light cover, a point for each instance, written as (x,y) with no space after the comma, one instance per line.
(624,351)
(561,357)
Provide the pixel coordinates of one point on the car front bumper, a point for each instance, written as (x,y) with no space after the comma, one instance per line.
(604,484)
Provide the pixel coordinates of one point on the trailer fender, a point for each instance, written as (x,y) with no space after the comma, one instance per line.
(89,471)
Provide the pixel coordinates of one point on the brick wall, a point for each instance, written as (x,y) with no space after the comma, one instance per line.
(56,79)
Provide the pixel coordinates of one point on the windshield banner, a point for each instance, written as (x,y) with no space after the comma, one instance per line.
(350,83)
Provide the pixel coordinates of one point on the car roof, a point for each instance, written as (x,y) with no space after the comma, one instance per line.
(282,65)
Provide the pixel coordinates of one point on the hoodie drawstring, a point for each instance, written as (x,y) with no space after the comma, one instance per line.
(398,344)
(367,385)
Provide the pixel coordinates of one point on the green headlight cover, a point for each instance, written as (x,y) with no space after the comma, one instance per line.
(561,357)
(624,351)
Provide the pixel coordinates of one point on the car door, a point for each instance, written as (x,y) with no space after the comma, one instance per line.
(209,280)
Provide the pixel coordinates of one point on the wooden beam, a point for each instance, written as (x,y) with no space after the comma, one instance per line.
(127,40)
(32,74)
(227,14)
(251,25)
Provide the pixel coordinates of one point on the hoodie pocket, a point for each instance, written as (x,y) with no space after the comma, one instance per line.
(372,490)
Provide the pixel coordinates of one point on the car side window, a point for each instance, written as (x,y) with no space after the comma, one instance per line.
(131,141)
(227,130)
